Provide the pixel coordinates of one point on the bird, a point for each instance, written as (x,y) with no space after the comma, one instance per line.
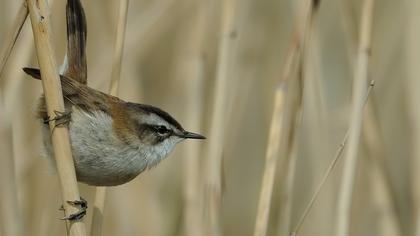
(112,141)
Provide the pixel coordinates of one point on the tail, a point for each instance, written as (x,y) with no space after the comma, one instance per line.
(75,66)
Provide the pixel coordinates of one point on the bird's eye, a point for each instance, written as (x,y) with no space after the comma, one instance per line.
(160,129)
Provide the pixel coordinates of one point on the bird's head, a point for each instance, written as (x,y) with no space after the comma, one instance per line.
(157,129)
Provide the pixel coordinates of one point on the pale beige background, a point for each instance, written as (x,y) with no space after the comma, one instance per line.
(157,51)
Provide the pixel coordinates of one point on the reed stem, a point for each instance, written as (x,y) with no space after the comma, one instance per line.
(40,20)
(217,126)
(11,40)
(356,117)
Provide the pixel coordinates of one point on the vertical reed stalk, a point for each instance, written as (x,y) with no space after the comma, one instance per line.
(359,86)
(11,222)
(270,162)
(15,111)
(11,40)
(374,142)
(292,117)
(40,19)
(100,195)
(119,47)
(98,211)
(413,85)
(277,131)
(217,126)
(304,26)
(192,191)
(389,223)
(190,71)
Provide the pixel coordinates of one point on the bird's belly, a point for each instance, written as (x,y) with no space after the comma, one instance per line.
(101,164)
(109,167)
(100,158)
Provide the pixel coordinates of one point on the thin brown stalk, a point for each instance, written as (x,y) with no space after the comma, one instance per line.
(156,21)
(98,210)
(11,40)
(356,117)
(11,221)
(190,74)
(373,139)
(100,195)
(217,126)
(278,130)
(16,112)
(119,46)
(413,98)
(293,63)
(40,19)
(192,191)
(329,170)
(293,116)
(384,195)
(270,163)
(287,200)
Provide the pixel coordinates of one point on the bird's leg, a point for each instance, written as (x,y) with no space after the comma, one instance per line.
(82,204)
(61,118)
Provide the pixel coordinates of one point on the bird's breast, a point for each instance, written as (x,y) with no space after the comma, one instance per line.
(101,158)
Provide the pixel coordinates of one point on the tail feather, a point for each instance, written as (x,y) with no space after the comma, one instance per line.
(75,61)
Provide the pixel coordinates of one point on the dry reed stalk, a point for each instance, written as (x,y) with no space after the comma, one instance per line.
(11,221)
(327,173)
(40,20)
(356,117)
(294,61)
(11,40)
(16,101)
(285,218)
(413,98)
(384,196)
(98,211)
(387,222)
(350,28)
(192,192)
(292,119)
(190,74)
(119,47)
(270,162)
(162,16)
(373,139)
(274,138)
(100,195)
(217,126)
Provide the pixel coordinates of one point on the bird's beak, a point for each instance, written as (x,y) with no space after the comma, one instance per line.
(192,135)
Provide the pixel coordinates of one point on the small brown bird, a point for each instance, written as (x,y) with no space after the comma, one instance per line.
(112,141)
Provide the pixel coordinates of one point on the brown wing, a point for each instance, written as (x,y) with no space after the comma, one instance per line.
(78,94)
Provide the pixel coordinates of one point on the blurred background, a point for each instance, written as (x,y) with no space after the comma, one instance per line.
(172,57)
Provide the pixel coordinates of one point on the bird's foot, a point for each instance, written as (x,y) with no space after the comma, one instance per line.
(61,118)
(82,204)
